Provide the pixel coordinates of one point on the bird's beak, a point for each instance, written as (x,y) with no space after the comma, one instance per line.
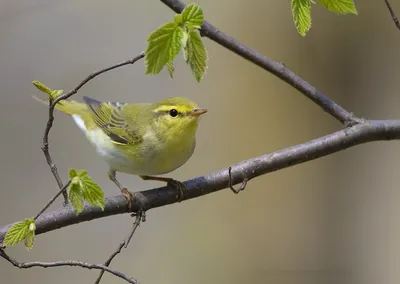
(198,111)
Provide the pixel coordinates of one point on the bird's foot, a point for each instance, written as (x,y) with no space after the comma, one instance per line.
(129,197)
(179,186)
(140,214)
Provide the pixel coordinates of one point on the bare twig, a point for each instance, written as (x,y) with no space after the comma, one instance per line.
(124,243)
(242,186)
(367,131)
(278,69)
(66,263)
(53,168)
(52,104)
(393,14)
(63,189)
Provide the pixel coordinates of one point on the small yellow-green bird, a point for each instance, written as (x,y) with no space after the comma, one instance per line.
(143,139)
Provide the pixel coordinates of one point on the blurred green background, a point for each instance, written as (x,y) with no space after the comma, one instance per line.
(333,220)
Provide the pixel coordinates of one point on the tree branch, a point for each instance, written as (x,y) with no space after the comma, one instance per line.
(392,14)
(66,263)
(367,131)
(278,69)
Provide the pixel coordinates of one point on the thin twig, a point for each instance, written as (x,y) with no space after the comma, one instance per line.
(367,131)
(124,244)
(278,69)
(53,168)
(52,104)
(64,188)
(66,263)
(393,14)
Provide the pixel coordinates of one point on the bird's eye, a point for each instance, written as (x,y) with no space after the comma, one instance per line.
(173,112)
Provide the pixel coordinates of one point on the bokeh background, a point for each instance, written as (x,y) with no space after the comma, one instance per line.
(333,220)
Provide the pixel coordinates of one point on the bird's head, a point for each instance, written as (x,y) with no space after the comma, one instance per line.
(176,116)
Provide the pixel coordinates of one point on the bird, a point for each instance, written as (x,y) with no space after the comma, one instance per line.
(143,139)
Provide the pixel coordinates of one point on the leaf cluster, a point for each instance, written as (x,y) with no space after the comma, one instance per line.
(301,11)
(182,33)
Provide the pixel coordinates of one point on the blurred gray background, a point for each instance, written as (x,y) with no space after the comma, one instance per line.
(333,220)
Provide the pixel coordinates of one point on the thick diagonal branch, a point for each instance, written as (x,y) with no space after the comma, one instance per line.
(364,132)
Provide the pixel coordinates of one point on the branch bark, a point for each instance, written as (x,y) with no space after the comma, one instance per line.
(366,131)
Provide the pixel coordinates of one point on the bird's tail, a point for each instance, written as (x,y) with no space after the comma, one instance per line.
(67,106)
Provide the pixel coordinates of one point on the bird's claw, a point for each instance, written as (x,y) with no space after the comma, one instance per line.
(181,188)
(129,197)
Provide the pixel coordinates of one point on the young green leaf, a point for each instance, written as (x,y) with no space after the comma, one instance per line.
(301,11)
(72,173)
(30,236)
(92,192)
(163,45)
(339,6)
(55,93)
(196,55)
(184,40)
(178,19)
(82,173)
(19,231)
(171,68)
(192,16)
(42,87)
(75,195)
(82,188)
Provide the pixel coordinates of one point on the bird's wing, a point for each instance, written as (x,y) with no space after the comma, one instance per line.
(108,117)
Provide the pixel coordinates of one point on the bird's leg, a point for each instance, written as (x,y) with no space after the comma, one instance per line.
(124,190)
(170,182)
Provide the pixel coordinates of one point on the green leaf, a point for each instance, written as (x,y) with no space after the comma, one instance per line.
(75,196)
(72,173)
(82,188)
(20,231)
(55,93)
(42,87)
(171,68)
(196,55)
(82,173)
(184,40)
(192,16)
(339,6)
(92,192)
(163,45)
(301,11)
(178,19)
(30,236)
